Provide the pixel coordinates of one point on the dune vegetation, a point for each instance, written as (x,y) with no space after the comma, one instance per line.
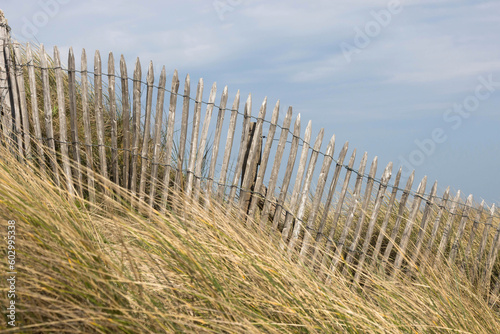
(109,267)
(105,268)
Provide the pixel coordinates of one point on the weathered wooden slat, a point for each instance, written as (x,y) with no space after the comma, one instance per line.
(170,139)
(203,143)
(475,225)
(356,197)
(113,118)
(447,230)
(87,129)
(405,237)
(492,255)
(329,199)
(229,146)
(47,106)
(4,88)
(423,224)
(351,250)
(99,114)
(296,187)
(160,98)
(273,180)
(125,123)
(460,231)
(34,109)
(75,142)
(136,124)
(243,144)
(385,222)
(435,227)
(147,131)
(373,219)
(63,131)
(194,139)
(329,241)
(401,210)
(215,147)
(294,239)
(264,160)
(5,93)
(318,195)
(11,66)
(484,240)
(182,141)
(22,101)
(255,147)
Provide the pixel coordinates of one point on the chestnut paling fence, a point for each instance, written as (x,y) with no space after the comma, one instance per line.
(73,125)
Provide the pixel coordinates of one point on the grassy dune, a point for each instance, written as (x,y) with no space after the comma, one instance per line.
(105,268)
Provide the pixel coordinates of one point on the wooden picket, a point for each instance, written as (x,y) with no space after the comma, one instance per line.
(194,138)
(14,94)
(169,139)
(183,137)
(215,149)
(87,130)
(229,146)
(113,118)
(136,123)
(126,123)
(146,132)
(5,92)
(203,141)
(75,142)
(19,78)
(64,147)
(47,108)
(34,109)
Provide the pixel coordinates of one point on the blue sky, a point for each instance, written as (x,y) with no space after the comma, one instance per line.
(413,82)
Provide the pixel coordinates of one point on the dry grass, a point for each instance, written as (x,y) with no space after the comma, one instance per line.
(86,268)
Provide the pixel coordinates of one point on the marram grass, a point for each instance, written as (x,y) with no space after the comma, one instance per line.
(105,268)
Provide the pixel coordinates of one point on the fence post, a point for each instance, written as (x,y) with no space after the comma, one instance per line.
(14,95)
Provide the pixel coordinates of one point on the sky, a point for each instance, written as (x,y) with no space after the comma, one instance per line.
(413,82)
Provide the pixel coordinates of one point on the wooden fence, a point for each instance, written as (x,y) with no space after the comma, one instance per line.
(340,220)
